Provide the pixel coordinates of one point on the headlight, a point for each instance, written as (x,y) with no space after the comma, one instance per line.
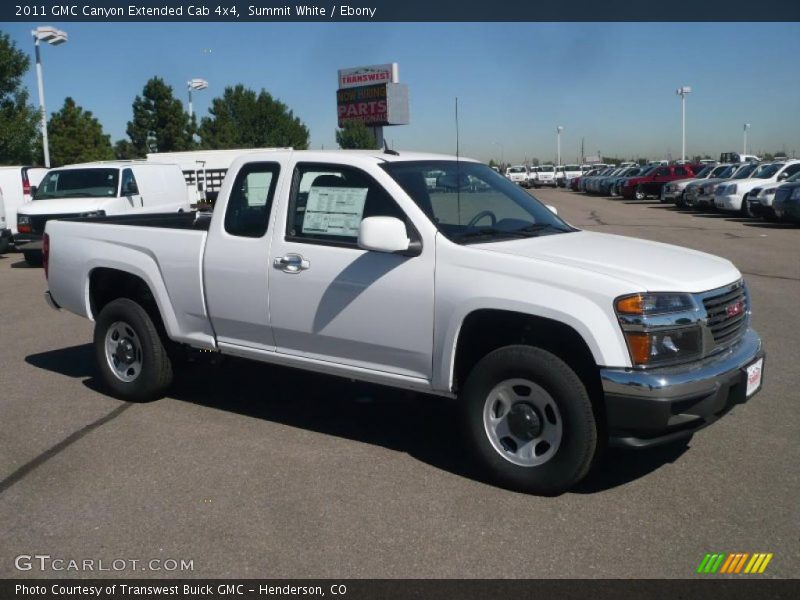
(663,346)
(653,304)
(660,328)
(731,189)
(795,194)
(770,191)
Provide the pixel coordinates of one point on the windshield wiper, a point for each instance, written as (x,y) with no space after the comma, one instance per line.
(535,228)
(490,231)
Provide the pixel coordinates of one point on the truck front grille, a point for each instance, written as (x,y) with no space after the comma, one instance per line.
(727,314)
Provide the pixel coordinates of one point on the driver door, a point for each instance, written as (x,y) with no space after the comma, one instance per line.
(329,299)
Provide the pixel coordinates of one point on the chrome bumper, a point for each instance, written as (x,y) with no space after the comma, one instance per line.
(650,407)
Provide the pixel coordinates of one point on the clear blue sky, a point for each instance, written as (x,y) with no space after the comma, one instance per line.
(612,84)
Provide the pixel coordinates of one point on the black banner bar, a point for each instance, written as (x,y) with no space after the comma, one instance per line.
(737,588)
(401,10)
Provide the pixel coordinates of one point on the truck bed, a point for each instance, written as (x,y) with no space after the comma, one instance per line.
(169,261)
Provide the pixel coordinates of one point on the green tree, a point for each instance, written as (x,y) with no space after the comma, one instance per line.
(243,119)
(355,136)
(17,117)
(76,136)
(159,123)
(124,150)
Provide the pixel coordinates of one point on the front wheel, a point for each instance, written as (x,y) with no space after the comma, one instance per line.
(529,420)
(640,193)
(130,353)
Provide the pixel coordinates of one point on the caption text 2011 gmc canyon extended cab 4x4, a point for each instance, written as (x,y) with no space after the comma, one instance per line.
(552,340)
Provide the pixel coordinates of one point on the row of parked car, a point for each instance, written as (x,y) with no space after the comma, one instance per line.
(766,189)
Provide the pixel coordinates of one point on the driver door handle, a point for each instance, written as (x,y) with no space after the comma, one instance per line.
(291,263)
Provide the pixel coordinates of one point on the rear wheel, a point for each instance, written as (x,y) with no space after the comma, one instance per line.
(33,257)
(529,420)
(640,194)
(132,358)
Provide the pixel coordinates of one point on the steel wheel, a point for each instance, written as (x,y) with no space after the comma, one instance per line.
(123,351)
(522,422)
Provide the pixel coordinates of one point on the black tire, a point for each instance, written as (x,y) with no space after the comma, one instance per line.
(640,194)
(579,438)
(744,209)
(156,374)
(33,257)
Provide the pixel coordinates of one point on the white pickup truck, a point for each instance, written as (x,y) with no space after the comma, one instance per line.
(553,341)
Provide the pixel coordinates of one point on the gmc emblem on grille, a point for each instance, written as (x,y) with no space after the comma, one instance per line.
(734,309)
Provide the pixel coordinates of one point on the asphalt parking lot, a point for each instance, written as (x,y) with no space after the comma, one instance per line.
(257,471)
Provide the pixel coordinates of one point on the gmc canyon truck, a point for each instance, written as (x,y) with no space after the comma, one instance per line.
(550,340)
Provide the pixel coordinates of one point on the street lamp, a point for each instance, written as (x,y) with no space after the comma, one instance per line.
(54,37)
(559,129)
(502,154)
(683,91)
(746,127)
(195,84)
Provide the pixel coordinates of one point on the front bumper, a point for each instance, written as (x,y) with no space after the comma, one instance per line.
(728,202)
(651,407)
(761,209)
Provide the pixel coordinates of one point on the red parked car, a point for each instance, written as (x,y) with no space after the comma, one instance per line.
(651,184)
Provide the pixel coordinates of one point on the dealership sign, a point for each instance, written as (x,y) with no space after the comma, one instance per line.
(368,75)
(374,105)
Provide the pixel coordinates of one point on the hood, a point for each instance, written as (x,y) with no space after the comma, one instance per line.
(645,265)
(685,182)
(62,206)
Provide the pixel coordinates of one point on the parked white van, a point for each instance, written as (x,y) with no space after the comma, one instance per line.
(95,190)
(15,190)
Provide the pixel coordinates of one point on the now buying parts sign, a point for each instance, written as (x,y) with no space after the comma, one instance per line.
(373,105)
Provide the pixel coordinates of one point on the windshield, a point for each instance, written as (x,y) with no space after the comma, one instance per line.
(767,171)
(78,183)
(705,172)
(471,203)
(572,168)
(516,170)
(744,171)
(546,169)
(721,171)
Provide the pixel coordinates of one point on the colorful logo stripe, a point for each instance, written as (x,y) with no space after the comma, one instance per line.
(734,563)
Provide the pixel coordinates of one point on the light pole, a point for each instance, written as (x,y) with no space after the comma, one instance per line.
(195,84)
(683,91)
(746,127)
(502,156)
(559,129)
(54,37)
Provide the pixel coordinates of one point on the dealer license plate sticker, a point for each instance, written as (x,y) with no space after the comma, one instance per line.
(754,377)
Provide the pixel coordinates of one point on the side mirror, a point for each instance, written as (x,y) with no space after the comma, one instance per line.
(33,190)
(783,176)
(552,209)
(383,234)
(130,189)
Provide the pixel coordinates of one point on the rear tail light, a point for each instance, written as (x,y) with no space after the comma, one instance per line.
(46,254)
(26,184)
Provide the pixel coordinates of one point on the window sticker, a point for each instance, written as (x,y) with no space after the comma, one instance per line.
(334,210)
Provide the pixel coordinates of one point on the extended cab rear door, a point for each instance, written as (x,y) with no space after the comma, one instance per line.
(330,300)
(236,263)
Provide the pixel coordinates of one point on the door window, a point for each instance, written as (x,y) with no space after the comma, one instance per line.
(129,186)
(250,202)
(328,203)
